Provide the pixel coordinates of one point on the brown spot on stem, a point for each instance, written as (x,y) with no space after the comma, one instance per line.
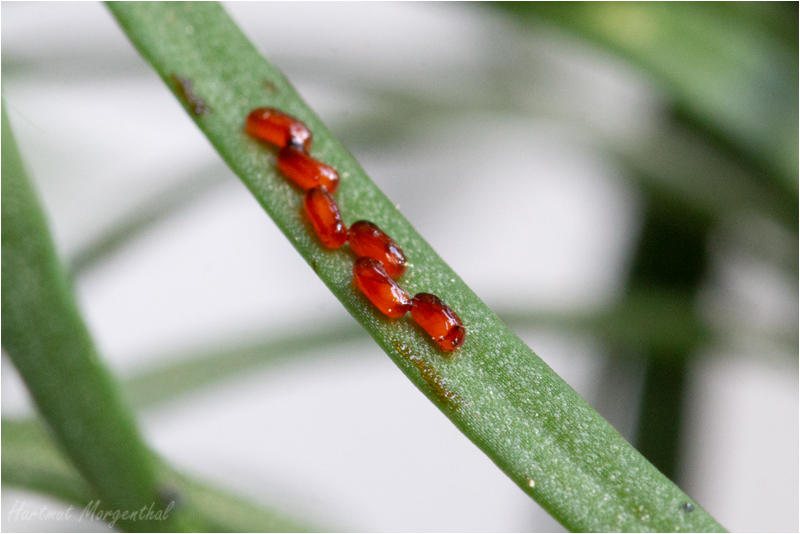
(269,86)
(196,105)
(431,376)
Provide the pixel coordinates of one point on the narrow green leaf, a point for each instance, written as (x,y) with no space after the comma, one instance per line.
(50,346)
(32,462)
(495,389)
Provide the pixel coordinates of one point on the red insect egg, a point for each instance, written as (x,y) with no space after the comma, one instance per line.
(305,171)
(438,320)
(323,212)
(277,128)
(366,239)
(382,291)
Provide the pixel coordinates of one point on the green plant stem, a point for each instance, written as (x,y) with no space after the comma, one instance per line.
(51,348)
(495,389)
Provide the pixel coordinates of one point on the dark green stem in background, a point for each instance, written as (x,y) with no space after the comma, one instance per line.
(495,389)
(671,258)
(660,415)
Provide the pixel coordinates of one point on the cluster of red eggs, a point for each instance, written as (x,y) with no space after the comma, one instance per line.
(380,260)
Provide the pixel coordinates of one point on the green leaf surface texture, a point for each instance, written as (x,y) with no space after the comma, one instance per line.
(499,393)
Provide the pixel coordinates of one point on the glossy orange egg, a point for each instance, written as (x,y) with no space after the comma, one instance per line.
(278,128)
(323,212)
(305,171)
(439,321)
(382,291)
(366,239)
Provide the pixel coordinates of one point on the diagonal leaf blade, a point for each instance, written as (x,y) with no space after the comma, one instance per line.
(495,389)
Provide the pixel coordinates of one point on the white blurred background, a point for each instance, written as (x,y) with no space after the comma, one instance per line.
(516,198)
